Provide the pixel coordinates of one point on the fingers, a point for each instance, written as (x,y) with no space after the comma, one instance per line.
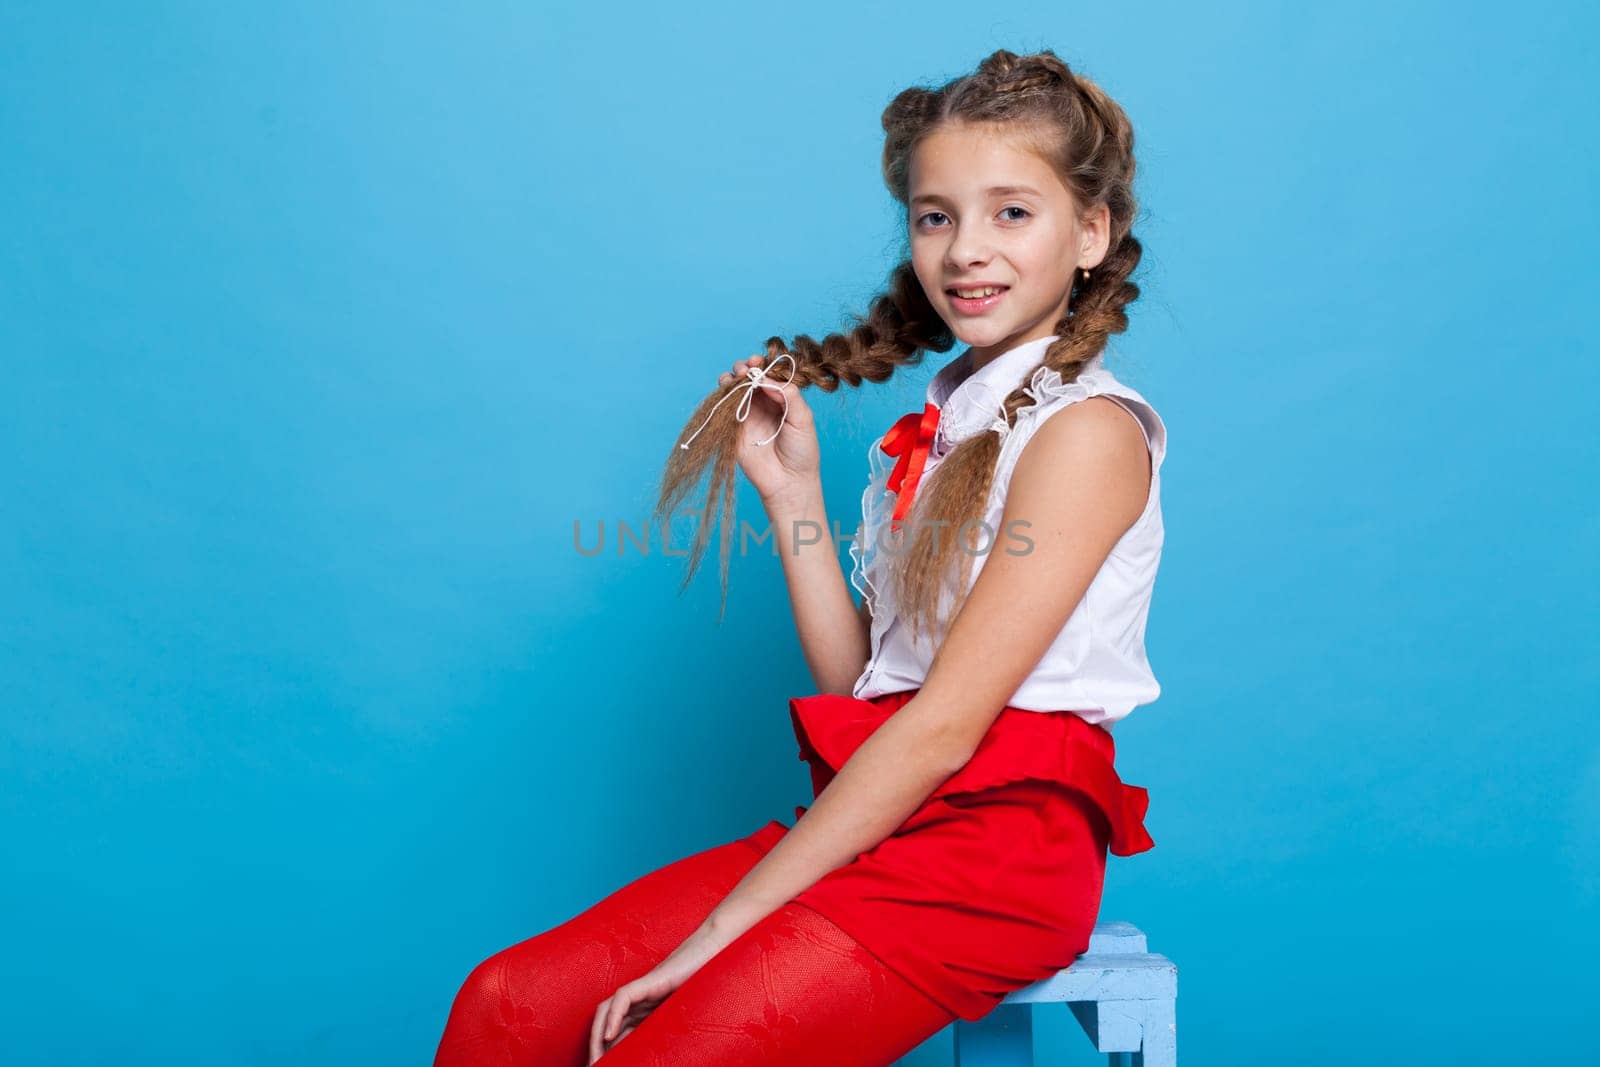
(740,369)
(611,1023)
(597,1031)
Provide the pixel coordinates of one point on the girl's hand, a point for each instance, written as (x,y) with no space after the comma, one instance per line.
(619,1014)
(786,466)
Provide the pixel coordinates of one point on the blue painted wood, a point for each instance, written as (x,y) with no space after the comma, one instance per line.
(1113,1026)
(1160,1035)
(1122,995)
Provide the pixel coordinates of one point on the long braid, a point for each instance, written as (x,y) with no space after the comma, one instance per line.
(899,327)
(1088,140)
(1092,141)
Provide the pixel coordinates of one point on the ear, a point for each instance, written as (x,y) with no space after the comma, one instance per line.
(1094,227)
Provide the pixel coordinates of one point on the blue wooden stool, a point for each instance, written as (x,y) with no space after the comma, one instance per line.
(1124,996)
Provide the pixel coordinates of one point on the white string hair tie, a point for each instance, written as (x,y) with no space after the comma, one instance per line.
(1000,425)
(755,376)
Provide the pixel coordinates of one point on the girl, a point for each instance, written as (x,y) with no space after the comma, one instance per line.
(959,741)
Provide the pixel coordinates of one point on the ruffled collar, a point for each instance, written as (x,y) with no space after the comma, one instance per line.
(970,402)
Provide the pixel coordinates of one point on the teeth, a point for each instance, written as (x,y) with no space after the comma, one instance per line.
(975,294)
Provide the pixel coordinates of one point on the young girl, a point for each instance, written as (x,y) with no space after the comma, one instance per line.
(959,743)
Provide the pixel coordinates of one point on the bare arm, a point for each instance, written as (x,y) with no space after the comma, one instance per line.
(780,454)
(833,632)
(1080,483)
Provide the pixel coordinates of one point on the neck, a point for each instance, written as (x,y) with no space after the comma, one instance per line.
(979,358)
(982,356)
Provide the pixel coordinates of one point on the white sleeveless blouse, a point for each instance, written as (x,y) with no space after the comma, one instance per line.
(1097,666)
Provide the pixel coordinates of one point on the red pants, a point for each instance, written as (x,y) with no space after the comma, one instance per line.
(793,989)
(992,884)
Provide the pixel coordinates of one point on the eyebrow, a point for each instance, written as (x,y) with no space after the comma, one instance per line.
(994,190)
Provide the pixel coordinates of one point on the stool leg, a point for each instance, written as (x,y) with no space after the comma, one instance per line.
(1160,1045)
(1003,1038)
(1119,1059)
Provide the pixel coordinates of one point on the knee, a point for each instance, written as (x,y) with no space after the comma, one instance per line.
(493,1017)
(483,988)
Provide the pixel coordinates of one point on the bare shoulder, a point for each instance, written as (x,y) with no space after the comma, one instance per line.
(1097,429)
(1095,443)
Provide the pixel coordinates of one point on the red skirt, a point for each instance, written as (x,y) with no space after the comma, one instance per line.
(994,883)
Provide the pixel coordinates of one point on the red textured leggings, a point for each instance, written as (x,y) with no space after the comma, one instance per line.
(792,990)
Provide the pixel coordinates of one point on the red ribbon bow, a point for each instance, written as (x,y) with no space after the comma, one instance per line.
(909,439)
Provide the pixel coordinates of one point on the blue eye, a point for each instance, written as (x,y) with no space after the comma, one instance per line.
(924,218)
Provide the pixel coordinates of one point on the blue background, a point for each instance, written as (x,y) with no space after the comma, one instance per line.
(321,328)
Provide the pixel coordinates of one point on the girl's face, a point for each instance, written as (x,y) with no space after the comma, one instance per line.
(986,211)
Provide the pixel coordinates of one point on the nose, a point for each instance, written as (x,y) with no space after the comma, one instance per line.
(969,247)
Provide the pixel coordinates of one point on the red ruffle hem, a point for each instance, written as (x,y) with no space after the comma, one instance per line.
(994,882)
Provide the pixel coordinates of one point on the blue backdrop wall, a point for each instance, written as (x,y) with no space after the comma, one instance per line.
(321,328)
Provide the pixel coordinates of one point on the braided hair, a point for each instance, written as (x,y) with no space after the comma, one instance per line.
(1087,138)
